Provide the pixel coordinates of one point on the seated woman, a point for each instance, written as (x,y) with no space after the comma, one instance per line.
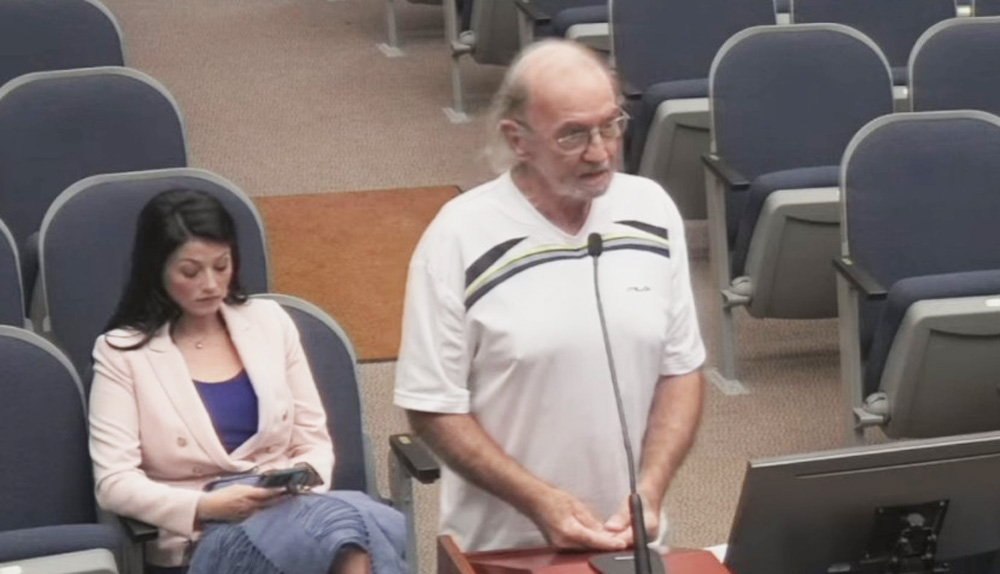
(194,382)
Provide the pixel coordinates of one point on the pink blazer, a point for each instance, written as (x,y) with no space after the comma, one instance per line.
(152,440)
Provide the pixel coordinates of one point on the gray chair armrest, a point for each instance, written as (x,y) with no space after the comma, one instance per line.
(727,174)
(859,278)
(138,531)
(415,458)
(533,12)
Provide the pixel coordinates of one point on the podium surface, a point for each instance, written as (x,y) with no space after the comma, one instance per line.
(451,560)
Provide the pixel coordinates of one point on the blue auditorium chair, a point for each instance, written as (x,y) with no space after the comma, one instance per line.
(954,66)
(47,507)
(334,367)
(61,126)
(40,35)
(11,290)
(919,285)
(86,245)
(894,25)
(663,51)
(785,101)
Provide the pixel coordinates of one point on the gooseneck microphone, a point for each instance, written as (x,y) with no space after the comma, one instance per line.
(644,560)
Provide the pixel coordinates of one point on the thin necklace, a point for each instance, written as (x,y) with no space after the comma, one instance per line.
(200,343)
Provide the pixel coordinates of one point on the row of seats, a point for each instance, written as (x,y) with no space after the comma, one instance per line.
(81,151)
(663,52)
(790,109)
(69,109)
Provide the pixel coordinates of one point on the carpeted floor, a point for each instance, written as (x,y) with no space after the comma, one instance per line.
(348,254)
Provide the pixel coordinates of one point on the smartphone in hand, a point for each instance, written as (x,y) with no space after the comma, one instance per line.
(293,480)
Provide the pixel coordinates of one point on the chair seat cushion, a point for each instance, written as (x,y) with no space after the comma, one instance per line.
(644,111)
(47,540)
(742,223)
(566,19)
(907,291)
(660,92)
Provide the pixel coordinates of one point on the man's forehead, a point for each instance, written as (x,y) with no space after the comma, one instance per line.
(566,94)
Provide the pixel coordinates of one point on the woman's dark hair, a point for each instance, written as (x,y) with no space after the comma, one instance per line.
(168,221)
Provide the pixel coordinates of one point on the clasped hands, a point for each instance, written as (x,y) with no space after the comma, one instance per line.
(568,523)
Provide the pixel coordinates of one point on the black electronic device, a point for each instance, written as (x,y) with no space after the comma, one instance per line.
(294,479)
(878,508)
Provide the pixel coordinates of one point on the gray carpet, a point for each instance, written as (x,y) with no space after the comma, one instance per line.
(292,96)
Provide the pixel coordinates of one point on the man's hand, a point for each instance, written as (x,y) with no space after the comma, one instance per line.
(620,522)
(568,523)
(235,503)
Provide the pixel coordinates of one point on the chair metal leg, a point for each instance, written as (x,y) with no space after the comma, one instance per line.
(850,358)
(724,374)
(456,113)
(401,491)
(391,49)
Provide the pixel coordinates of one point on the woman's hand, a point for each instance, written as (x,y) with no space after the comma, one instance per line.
(235,503)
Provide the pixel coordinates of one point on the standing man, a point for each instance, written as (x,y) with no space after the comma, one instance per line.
(502,367)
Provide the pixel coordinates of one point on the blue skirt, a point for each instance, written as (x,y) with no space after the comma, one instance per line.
(303,535)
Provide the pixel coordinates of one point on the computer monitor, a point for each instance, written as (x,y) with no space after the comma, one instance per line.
(800,514)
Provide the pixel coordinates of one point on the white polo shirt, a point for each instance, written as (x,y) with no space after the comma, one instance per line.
(501,321)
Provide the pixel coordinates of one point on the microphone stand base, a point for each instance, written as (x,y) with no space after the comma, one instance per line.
(624,563)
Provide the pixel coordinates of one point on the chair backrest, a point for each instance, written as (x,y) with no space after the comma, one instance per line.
(334,367)
(86,246)
(59,127)
(894,25)
(986,7)
(39,35)
(494,25)
(954,66)
(11,290)
(667,40)
(920,195)
(785,97)
(46,477)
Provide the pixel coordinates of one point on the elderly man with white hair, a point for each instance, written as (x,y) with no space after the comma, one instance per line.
(502,367)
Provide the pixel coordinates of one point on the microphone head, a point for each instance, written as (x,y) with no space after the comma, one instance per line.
(595,244)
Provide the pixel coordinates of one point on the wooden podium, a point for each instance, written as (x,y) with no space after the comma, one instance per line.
(451,560)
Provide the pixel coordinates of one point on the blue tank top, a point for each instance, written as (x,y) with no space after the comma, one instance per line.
(232,406)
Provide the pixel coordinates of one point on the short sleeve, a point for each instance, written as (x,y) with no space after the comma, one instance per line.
(433,368)
(684,350)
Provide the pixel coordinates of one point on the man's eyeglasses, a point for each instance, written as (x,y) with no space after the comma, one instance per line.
(578,140)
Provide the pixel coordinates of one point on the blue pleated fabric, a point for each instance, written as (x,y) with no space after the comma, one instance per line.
(303,535)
